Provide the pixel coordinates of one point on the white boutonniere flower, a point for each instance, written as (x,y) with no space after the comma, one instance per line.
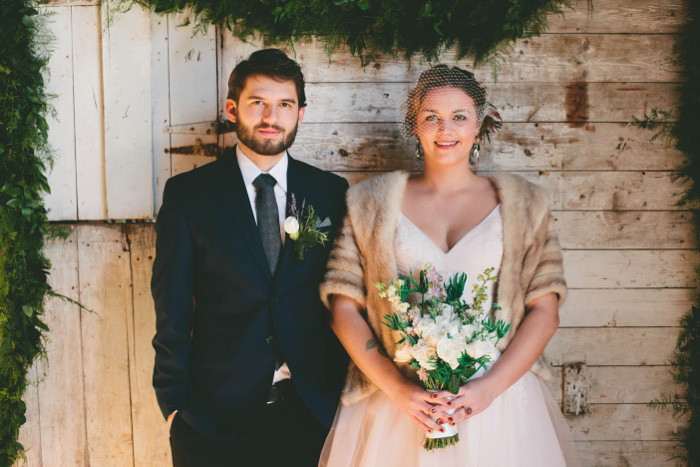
(303,225)
(291,227)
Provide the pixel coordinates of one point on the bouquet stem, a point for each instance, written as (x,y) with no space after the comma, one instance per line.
(438,443)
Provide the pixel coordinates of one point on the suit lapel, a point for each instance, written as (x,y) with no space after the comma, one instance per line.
(229,184)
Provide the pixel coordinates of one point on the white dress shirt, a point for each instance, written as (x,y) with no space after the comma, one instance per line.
(250,172)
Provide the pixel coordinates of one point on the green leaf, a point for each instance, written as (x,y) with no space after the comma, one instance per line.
(363,5)
(29,311)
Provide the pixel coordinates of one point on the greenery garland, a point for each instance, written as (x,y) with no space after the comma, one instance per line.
(482,30)
(24,153)
(683,135)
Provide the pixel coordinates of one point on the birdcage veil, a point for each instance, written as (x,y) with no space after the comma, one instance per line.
(435,86)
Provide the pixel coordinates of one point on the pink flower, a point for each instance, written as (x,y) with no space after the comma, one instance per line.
(423,374)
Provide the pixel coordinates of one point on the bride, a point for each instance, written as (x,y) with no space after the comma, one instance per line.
(457,221)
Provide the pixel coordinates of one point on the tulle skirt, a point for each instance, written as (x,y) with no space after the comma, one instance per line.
(522,427)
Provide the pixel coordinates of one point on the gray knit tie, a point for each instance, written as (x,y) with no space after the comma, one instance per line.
(268,218)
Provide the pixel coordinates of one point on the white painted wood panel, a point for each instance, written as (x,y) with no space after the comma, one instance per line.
(516,102)
(61,392)
(517,147)
(62,202)
(612,346)
(193,83)
(624,422)
(30,432)
(89,115)
(548,58)
(621,384)
(151,434)
(106,288)
(625,307)
(126,61)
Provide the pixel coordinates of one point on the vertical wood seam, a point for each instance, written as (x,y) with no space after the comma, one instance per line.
(103,136)
(38,414)
(75,129)
(125,237)
(82,351)
(170,112)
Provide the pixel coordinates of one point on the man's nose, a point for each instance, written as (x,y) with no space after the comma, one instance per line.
(270,114)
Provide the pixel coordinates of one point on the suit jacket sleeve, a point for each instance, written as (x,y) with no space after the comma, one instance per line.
(172,289)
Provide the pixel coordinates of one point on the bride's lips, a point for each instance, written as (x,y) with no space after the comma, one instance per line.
(446,144)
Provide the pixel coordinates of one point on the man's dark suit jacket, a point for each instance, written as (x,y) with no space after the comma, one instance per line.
(221,317)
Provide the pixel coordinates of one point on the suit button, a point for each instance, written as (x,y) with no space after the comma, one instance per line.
(270,340)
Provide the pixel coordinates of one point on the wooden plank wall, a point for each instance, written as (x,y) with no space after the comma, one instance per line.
(567,98)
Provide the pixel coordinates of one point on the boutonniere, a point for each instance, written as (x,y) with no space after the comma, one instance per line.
(304,227)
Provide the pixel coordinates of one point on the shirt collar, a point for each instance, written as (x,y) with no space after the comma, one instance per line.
(250,171)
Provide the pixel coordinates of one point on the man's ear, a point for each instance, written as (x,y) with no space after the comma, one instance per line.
(301,114)
(231,110)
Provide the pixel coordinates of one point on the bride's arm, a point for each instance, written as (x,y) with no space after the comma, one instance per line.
(369,356)
(537,328)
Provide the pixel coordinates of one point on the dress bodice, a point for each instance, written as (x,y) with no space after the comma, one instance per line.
(477,250)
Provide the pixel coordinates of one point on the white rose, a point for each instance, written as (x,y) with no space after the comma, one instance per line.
(478,349)
(423,353)
(450,350)
(291,226)
(403,354)
(467,331)
(429,329)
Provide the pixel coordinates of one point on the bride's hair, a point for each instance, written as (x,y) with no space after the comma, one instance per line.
(443,76)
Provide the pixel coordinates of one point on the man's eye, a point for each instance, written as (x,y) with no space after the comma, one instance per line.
(257,102)
(286,104)
(460,117)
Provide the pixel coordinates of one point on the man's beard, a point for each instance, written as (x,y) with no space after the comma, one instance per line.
(246,135)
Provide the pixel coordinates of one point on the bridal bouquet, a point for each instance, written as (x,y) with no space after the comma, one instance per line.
(443,337)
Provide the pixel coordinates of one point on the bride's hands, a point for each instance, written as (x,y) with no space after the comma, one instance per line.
(473,398)
(419,404)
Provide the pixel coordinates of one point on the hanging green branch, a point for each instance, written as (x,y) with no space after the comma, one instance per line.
(478,29)
(683,134)
(24,154)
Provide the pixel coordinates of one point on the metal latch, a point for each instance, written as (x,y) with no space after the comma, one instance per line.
(203,128)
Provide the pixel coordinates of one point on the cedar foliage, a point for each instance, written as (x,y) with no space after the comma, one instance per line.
(482,30)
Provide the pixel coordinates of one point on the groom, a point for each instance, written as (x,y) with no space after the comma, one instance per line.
(247,369)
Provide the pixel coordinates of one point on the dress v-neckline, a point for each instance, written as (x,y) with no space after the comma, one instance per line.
(461,239)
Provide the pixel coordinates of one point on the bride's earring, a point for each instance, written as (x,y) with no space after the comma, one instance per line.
(474,155)
(419,150)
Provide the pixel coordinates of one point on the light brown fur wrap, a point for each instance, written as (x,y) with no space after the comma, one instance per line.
(363,255)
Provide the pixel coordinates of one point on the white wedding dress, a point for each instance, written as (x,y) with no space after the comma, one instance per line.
(522,427)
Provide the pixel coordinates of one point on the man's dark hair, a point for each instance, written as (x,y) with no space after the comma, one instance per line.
(272,63)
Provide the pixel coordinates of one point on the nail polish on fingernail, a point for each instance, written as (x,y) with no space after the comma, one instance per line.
(430,431)
(469,411)
(433,410)
(434,396)
(450,419)
(442,430)
(440,421)
(449,403)
(452,423)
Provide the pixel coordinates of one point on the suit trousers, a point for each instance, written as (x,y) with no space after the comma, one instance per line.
(292,437)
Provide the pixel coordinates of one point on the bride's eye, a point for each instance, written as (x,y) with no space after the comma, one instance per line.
(431,118)
(460,117)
